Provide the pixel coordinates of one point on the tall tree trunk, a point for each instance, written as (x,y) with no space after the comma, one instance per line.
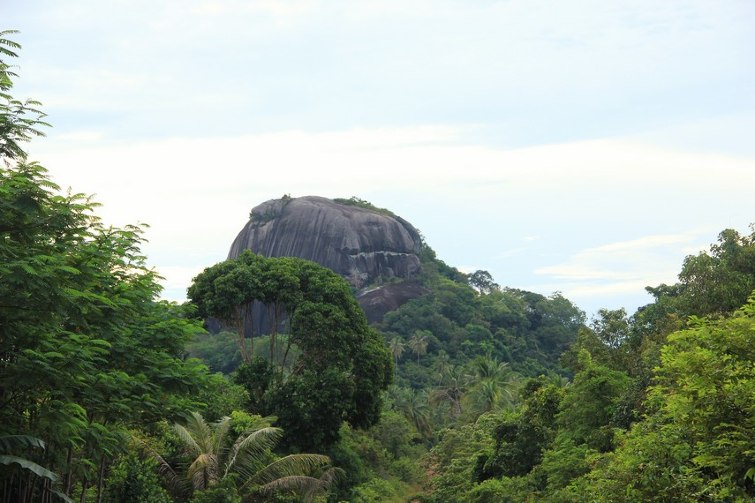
(277,310)
(101,478)
(84,485)
(285,354)
(240,339)
(28,489)
(248,321)
(69,472)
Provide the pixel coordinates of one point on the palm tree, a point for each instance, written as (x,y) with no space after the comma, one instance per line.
(488,367)
(397,348)
(442,364)
(419,342)
(451,390)
(413,406)
(494,383)
(213,461)
(486,395)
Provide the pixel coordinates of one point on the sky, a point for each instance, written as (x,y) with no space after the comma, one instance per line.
(576,146)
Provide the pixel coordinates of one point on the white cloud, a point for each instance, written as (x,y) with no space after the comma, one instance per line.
(197,193)
(624,267)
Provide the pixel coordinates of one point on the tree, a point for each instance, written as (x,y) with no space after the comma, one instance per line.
(413,405)
(227,291)
(248,458)
(86,349)
(589,404)
(19,120)
(697,441)
(482,281)
(419,342)
(397,348)
(521,438)
(453,385)
(342,365)
(710,283)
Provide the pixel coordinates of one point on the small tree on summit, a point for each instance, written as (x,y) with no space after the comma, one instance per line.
(482,281)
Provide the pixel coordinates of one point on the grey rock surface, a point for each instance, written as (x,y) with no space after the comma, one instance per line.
(362,245)
(367,247)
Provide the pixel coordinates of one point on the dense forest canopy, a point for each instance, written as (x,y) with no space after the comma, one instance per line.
(471,392)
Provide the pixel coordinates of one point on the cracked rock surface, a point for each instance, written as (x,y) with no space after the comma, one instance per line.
(362,245)
(370,248)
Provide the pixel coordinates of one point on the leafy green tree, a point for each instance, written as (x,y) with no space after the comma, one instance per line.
(413,405)
(482,281)
(86,350)
(19,120)
(589,404)
(522,438)
(135,480)
(697,442)
(342,365)
(227,291)
(455,459)
(710,283)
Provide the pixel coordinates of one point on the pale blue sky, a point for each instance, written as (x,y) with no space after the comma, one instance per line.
(579,146)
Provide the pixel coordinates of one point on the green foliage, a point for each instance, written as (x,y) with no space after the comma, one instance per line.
(361,203)
(223,492)
(87,350)
(20,120)
(134,480)
(482,281)
(247,462)
(589,404)
(342,365)
(521,438)
(256,378)
(375,490)
(218,351)
(455,460)
(221,397)
(710,283)
(527,330)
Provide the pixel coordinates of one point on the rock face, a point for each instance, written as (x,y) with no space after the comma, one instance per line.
(366,246)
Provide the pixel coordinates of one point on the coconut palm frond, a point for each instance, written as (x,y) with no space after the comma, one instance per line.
(327,479)
(187,439)
(307,486)
(288,466)
(173,481)
(203,471)
(220,430)
(302,484)
(250,447)
(201,431)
